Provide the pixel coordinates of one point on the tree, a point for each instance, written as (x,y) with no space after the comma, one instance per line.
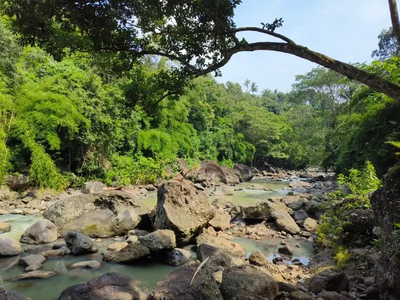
(199,35)
(387,45)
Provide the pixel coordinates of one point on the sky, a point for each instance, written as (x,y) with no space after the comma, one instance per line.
(346,30)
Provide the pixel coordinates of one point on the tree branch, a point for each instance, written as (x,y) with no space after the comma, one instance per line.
(256,29)
(394,15)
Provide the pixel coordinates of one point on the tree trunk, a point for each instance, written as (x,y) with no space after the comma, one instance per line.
(394,15)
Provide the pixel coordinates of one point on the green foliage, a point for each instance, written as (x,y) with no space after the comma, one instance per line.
(354,194)
(342,257)
(140,170)
(361,184)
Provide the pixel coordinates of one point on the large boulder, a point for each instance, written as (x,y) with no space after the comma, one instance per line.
(104,214)
(232,175)
(221,243)
(110,286)
(18,182)
(79,243)
(248,282)
(159,240)
(42,232)
(328,280)
(177,285)
(9,247)
(221,220)
(386,205)
(217,258)
(285,222)
(182,208)
(209,172)
(262,210)
(246,173)
(129,254)
(93,187)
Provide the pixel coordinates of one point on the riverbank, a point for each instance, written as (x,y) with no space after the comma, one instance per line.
(268,231)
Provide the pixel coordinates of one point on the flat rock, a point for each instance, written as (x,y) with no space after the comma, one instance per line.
(221,243)
(91,264)
(117,246)
(38,274)
(35,259)
(129,254)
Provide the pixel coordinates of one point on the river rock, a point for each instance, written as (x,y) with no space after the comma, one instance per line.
(299,184)
(105,214)
(110,286)
(285,222)
(11,295)
(232,175)
(53,253)
(4,228)
(35,259)
(245,282)
(227,206)
(297,205)
(91,264)
(178,257)
(158,240)
(18,182)
(9,247)
(310,225)
(221,220)
(176,285)
(38,274)
(332,296)
(182,208)
(132,239)
(299,295)
(286,249)
(257,187)
(209,173)
(329,280)
(246,173)
(258,259)
(93,187)
(300,215)
(79,243)
(262,210)
(221,243)
(117,246)
(4,212)
(217,258)
(42,232)
(129,254)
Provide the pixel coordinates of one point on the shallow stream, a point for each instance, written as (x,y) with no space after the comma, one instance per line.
(150,272)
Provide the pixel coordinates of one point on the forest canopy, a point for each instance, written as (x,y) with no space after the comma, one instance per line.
(89,97)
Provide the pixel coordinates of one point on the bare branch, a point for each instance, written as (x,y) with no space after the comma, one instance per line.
(256,29)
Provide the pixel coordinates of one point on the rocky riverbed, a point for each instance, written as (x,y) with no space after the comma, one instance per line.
(202,240)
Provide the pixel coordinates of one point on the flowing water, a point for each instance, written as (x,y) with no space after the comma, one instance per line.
(150,272)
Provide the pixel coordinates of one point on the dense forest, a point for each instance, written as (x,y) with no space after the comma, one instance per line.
(79,116)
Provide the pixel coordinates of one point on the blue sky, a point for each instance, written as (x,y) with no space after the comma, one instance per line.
(346,30)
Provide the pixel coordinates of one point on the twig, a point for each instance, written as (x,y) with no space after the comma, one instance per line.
(198,269)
